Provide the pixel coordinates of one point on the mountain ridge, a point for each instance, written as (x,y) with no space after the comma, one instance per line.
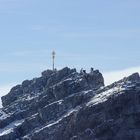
(67,105)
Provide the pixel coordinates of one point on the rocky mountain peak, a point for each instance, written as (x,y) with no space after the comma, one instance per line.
(135,77)
(67,105)
(61,81)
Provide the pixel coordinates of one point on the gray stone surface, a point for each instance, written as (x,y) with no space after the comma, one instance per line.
(67,105)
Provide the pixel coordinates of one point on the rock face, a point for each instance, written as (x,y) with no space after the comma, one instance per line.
(67,105)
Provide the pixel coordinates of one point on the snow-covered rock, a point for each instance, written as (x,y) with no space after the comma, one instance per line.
(67,105)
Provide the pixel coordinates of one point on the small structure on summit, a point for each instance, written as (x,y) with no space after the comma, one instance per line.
(53,59)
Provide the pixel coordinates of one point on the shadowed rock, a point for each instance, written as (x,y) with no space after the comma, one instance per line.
(67,105)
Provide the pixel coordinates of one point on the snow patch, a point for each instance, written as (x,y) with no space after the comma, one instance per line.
(61,82)
(6,132)
(102,97)
(87,91)
(10,128)
(31,96)
(56,102)
(3,115)
(59,120)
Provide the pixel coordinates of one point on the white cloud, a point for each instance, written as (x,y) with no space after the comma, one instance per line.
(114,76)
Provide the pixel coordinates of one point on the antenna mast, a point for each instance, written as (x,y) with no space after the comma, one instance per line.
(53,58)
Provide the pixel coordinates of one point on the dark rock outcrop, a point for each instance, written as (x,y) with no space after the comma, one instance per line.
(67,105)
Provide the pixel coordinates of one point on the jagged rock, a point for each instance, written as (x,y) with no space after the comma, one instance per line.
(67,105)
(133,78)
(47,73)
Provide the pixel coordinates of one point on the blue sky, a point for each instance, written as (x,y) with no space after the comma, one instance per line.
(104,34)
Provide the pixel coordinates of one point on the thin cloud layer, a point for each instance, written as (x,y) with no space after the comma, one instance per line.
(114,76)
